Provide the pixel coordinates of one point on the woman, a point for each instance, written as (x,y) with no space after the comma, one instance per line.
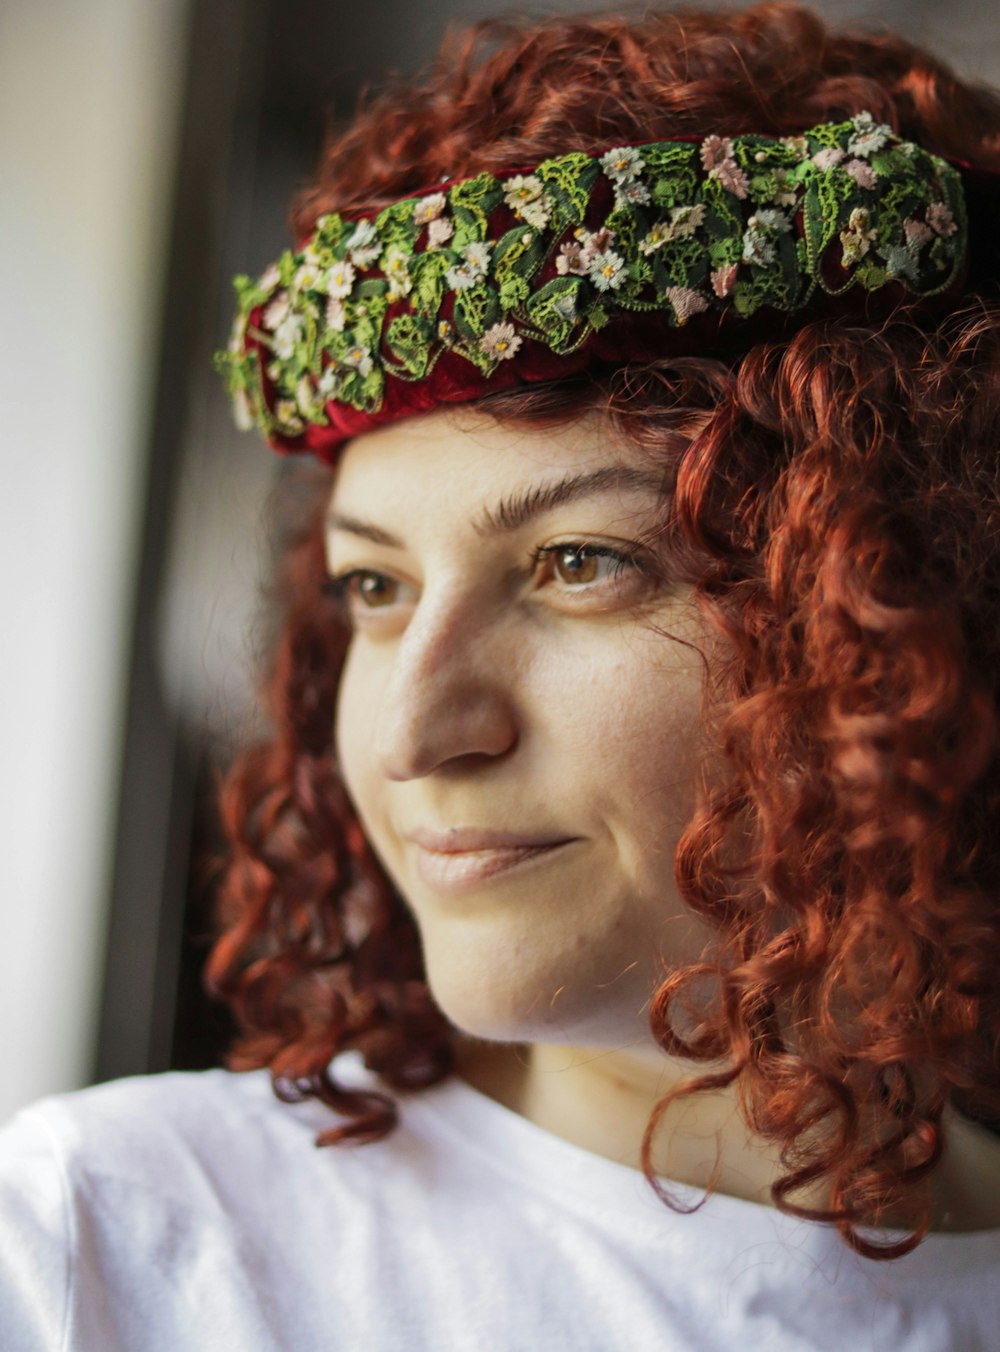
(634,745)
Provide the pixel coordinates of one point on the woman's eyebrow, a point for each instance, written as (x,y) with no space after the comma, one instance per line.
(513,512)
(354,526)
(517,510)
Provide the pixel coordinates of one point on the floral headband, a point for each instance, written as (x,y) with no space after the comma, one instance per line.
(524,276)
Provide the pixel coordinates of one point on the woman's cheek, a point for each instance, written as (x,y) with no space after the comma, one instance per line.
(355,729)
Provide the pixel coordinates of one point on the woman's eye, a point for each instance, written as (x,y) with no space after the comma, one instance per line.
(581,566)
(372,589)
(364,589)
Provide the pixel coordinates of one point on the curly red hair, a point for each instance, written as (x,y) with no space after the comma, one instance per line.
(836,505)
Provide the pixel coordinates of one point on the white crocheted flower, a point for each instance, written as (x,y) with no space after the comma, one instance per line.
(538,212)
(305,396)
(683,221)
(429,208)
(659,234)
(396,266)
(900,262)
(288,415)
(607,270)
(287,335)
(572,259)
(631,194)
(358,358)
(768,218)
(238,335)
(869,135)
(858,238)
(862,173)
(270,277)
(336,315)
(340,279)
(242,412)
(477,255)
(439,232)
(330,383)
(622,163)
(364,245)
(686,220)
(473,268)
(828,157)
(500,342)
(798,145)
(461,277)
(521,189)
(309,278)
(276,311)
(758,249)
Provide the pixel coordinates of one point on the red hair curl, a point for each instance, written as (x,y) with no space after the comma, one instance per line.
(836,506)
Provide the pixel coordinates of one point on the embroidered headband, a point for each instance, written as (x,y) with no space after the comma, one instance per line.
(531,275)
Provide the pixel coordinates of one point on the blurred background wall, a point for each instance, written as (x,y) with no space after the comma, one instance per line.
(90,100)
(148,149)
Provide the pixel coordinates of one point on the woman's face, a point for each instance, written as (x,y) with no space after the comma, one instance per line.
(518,740)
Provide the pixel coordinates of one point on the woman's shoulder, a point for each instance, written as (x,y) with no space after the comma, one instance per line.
(131,1129)
(168,1101)
(148,1211)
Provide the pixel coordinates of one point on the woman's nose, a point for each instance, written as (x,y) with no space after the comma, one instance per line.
(450,693)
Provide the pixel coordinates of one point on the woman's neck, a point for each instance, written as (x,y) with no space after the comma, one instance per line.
(601,1100)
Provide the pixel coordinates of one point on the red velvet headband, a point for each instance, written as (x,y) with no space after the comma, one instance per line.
(674,246)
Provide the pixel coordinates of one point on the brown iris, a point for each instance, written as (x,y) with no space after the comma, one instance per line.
(373,589)
(576,565)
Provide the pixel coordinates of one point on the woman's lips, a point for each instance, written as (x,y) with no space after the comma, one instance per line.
(450,862)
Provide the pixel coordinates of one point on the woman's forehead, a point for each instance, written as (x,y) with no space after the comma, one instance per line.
(465,460)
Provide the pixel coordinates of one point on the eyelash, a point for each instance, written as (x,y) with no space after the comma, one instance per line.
(622,558)
(339,588)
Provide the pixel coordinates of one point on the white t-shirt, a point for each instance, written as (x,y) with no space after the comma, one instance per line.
(192,1211)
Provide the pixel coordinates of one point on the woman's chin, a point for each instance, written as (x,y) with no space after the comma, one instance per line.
(486,1010)
(490,1001)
